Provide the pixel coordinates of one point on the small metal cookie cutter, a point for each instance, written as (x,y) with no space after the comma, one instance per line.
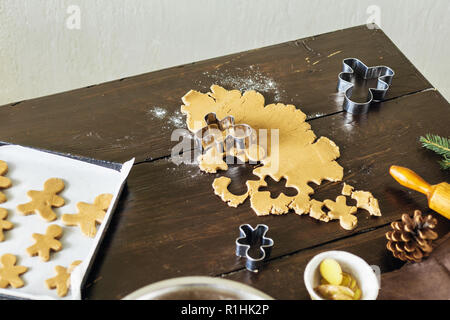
(351,66)
(250,237)
(224,134)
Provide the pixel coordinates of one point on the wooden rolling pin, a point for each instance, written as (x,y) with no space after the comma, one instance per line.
(438,195)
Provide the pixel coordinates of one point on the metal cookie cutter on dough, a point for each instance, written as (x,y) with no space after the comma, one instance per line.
(351,66)
(240,136)
(250,237)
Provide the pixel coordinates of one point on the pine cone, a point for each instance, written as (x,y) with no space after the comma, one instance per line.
(411,239)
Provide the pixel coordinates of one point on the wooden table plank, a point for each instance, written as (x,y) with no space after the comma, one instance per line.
(169,223)
(116,121)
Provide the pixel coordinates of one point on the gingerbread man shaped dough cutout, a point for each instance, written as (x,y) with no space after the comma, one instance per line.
(10,273)
(4,182)
(4,225)
(46,242)
(43,201)
(340,210)
(61,282)
(89,214)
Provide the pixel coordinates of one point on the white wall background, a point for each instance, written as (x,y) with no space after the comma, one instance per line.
(39,55)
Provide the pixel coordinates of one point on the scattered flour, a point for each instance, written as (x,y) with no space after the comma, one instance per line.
(177,120)
(157,112)
(173,120)
(315,115)
(250,78)
(187,168)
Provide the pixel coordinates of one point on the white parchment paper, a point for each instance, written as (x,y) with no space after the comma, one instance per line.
(28,170)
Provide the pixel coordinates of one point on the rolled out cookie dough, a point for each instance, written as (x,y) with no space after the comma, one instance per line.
(299,156)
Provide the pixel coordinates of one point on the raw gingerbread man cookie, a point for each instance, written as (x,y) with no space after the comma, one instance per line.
(9,273)
(4,182)
(89,214)
(340,210)
(61,282)
(46,242)
(4,225)
(43,201)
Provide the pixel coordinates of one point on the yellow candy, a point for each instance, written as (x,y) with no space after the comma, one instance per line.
(357,295)
(331,271)
(346,279)
(331,292)
(353,284)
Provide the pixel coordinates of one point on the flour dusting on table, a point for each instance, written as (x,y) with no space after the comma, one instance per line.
(173,120)
(250,78)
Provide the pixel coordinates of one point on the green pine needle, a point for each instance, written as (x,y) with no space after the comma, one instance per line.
(445,164)
(440,145)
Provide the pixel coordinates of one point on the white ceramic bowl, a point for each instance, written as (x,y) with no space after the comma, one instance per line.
(354,265)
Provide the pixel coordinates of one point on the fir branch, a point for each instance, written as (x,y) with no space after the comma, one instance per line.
(445,164)
(437,144)
(440,145)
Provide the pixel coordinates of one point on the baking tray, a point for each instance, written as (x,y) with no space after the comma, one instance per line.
(85,178)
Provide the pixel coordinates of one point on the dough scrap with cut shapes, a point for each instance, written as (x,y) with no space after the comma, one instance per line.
(366,200)
(316,211)
(220,186)
(299,156)
(347,190)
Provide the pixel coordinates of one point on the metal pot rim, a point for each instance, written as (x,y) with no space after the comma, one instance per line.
(231,286)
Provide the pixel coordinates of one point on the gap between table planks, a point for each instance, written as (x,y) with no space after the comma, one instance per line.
(170,223)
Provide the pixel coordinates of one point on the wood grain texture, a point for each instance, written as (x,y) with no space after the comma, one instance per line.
(169,222)
(113,121)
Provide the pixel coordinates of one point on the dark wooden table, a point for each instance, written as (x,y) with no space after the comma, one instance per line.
(169,223)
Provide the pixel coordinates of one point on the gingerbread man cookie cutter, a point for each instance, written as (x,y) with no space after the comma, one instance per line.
(353,66)
(224,134)
(249,237)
